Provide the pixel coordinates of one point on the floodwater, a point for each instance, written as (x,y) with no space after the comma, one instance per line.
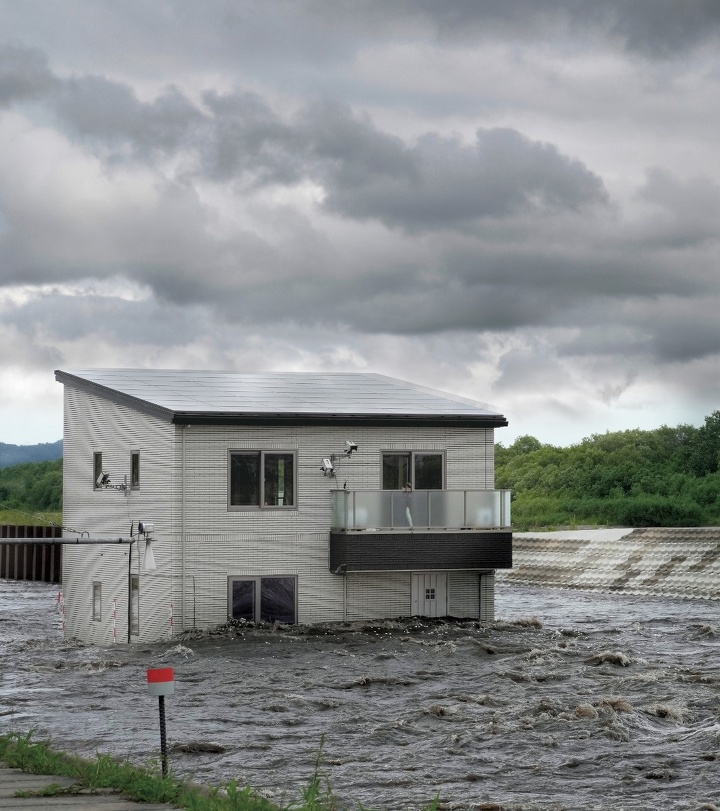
(570,700)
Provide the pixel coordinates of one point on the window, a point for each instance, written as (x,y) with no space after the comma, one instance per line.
(97,469)
(261,479)
(97,601)
(421,469)
(135,605)
(135,470)
(263,599)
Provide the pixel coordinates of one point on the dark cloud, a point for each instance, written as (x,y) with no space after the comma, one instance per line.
(653,28)
(24,74)
(453,184)
(458,186)
(438,183)
(689,209)
(247,138)
(110,112)
(686,339)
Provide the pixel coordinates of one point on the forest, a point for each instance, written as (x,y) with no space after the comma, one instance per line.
(663,477)
(33,487)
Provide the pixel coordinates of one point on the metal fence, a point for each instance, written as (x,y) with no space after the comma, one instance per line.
(30,561)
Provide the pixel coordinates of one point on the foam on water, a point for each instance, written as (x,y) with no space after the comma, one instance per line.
(571,700)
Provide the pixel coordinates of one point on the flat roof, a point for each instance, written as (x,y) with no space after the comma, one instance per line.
(232,398)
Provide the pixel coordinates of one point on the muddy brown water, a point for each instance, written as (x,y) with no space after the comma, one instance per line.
(570,700)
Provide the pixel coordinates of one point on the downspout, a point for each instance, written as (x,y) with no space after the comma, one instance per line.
(182,527)
(130,547)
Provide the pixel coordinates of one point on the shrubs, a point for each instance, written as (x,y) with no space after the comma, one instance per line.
(627,478)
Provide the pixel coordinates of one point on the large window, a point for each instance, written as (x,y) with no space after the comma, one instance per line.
(261,479)
(422,470)
(263,599)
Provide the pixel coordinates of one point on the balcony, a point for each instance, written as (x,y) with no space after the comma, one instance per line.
(381,530)
(422,509)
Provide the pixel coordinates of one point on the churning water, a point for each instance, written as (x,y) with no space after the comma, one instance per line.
(570,700)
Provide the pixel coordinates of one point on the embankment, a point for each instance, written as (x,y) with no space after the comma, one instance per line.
(674,562)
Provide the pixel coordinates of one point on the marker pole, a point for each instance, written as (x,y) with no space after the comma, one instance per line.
(161,682)
(163,737)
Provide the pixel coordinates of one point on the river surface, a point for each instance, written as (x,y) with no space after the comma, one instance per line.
(570,700)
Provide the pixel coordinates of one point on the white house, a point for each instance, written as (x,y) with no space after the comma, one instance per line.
(295,498)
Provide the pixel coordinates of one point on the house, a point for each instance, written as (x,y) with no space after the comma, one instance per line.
(294,498)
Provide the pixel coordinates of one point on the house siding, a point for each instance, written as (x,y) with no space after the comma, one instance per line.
(200,543)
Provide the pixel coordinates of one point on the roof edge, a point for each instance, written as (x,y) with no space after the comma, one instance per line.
(487,420)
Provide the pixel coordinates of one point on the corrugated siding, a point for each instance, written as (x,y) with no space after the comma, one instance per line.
(463,594)
(93,424)
(487,596)
(375,596)
(221,543)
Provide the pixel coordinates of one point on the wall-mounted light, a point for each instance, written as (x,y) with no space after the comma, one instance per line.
(103,483)
(328,462)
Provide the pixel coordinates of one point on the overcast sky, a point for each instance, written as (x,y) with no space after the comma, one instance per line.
(514,200)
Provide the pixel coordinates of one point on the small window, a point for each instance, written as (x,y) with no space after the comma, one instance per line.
(422,470)
(135,470)
(135,605)
(97,601)
(97,469)
(261,479)
(263,599)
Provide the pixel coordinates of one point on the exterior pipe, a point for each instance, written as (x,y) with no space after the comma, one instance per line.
(182,526)
(129,591)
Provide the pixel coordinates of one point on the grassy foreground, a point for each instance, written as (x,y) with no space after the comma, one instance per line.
(148,785)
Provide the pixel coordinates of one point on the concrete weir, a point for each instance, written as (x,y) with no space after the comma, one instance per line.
(668,561)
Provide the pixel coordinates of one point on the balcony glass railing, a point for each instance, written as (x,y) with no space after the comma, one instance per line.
(421,509)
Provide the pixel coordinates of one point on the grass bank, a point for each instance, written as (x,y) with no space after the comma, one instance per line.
(21,518)
(147,784)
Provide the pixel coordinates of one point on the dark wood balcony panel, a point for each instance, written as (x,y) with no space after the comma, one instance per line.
(378,551)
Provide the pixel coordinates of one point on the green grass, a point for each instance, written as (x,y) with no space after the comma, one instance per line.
(21,751)
(145,784)
(39,519)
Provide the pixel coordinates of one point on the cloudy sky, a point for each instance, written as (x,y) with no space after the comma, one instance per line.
(514,200)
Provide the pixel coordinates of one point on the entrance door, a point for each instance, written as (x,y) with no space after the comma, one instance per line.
(429,594)
(266,599)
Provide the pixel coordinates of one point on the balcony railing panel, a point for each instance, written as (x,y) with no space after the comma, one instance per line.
(421,509)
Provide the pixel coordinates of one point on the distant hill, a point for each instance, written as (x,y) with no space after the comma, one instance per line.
(20,454)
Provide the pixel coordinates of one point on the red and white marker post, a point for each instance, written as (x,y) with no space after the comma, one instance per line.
(161,683)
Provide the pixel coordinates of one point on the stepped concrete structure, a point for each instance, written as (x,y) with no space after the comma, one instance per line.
(667,561)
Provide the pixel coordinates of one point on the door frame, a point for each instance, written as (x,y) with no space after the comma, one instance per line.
(421,582)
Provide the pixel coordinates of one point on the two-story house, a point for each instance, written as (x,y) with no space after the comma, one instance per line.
(285,497)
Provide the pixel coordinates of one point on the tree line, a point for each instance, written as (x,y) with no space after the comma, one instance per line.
(32,487)
(662,477)
(19,454)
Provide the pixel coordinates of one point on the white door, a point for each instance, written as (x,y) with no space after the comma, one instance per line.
(429,594)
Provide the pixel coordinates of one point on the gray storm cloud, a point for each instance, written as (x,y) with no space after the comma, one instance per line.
(536,180)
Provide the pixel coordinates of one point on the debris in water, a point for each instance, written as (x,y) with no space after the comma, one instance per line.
(609,657)
(617,704)
(198,747)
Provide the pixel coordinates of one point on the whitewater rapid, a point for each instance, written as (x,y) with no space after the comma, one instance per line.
(570,700)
